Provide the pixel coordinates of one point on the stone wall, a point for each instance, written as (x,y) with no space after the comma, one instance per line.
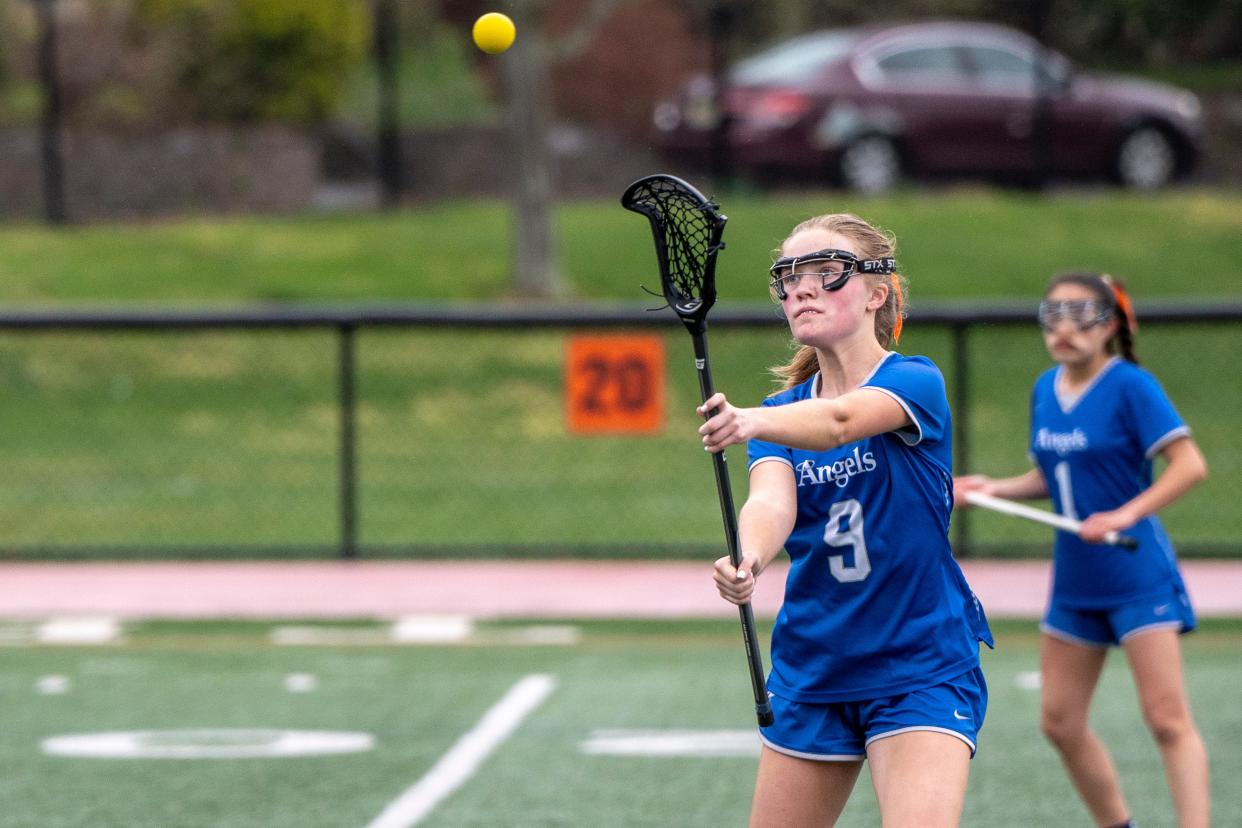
(585,162)
(204,170)
(1222,150)
(274,170)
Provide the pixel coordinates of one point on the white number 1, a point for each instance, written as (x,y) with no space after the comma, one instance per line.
(1062,472)
(851,511)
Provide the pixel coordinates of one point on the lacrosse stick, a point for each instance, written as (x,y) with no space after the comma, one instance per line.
(687,229)
(1066,524)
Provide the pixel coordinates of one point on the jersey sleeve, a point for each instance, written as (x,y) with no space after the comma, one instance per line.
(1154,419)
(760,451)
(917,385)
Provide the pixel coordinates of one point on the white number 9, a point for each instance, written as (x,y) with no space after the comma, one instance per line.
(851,511)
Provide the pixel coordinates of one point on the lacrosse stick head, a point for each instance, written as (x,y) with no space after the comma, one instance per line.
(687,228)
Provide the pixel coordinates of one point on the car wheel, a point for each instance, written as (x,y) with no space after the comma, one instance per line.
(1146,159)
(870,165)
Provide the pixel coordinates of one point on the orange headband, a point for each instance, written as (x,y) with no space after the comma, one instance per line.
(1123,302)
(896,282)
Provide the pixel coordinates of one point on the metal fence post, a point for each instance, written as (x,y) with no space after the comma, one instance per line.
(348,458)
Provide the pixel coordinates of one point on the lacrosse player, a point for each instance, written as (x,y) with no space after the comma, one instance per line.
(875,652)
(1097,422)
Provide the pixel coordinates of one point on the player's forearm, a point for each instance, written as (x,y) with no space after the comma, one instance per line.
(813,425)
(1186,468)
(763,528)
(1028,486)
(823,424)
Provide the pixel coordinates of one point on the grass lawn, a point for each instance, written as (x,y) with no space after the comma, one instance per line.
(229,440)
(952,244)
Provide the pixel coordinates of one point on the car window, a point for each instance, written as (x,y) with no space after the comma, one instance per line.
(921,65)
(795,60)
(1000,69)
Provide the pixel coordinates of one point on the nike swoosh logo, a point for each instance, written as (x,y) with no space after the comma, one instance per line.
(1162,609)
(959,716)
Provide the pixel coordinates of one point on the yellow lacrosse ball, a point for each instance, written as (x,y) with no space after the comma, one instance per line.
(494,32)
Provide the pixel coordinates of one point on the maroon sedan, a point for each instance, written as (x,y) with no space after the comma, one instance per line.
(860,107)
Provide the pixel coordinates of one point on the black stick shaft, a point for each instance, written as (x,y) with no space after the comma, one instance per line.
(763,708)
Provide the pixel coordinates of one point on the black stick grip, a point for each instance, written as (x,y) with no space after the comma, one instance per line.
(763,707)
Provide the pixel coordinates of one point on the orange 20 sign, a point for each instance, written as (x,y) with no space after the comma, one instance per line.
(614,383)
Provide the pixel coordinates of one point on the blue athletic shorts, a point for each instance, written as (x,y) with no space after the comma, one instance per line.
(1111,626)
(841,731)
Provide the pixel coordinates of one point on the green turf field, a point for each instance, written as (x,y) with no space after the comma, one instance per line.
(418,701)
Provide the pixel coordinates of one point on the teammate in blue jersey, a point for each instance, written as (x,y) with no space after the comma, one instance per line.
(875,653)
(1097,422)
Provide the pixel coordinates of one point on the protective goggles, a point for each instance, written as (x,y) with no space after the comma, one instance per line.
(834,268)
(1081,313)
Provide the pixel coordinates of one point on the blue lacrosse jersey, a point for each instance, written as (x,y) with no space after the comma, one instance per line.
(1096,454)
(875,605)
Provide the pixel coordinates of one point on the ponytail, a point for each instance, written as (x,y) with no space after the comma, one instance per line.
(1127,323)
(798,370)
(890,318)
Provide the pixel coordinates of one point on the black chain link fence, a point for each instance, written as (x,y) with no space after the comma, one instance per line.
(440,431)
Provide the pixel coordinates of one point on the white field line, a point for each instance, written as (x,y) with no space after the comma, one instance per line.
(672,743)
(439,631)
(464,758)
(89,630)
(432,629)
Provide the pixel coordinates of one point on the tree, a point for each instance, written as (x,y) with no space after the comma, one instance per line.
(526,75)
(536,270)
(237,61)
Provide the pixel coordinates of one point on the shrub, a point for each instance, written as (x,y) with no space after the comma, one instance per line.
(254,60)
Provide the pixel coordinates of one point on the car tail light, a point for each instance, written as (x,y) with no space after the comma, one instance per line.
(776,107)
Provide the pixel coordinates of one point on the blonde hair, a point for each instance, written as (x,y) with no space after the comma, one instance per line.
(872,243)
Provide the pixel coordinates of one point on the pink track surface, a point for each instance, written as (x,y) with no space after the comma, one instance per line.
(485,589)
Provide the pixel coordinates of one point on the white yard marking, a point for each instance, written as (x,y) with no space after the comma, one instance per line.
(1028,680)
(79,631)
(464,758)
(672,743)
(432,629)
(301,683)
(424,630)
(52,685)
(552,634)
(207,744)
